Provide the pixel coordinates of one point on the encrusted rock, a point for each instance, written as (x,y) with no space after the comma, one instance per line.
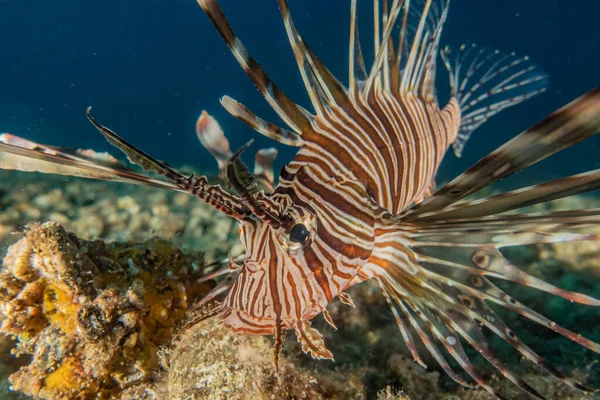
(212,362)
(91,326)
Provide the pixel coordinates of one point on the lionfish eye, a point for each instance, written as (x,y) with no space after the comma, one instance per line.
(298,233)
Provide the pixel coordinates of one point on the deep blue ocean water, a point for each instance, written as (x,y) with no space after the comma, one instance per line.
(149,67)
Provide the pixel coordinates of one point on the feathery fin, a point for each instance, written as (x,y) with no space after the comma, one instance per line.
(311,340)
(485,82)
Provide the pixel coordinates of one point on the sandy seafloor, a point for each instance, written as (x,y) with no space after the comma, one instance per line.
(371,359)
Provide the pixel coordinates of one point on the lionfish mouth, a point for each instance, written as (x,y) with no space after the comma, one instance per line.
(259,310)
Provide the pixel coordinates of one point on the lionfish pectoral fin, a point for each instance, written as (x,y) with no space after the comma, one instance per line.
(485,81)
(434,314)
(311,340)
(427,191)
(20,154)
(409,313)
(519,198)
(450,300)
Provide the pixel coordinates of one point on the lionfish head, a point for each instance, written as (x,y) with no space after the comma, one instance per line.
(299,250)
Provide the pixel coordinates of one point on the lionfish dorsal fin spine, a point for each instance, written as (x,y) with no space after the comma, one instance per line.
(401,48)
(310,82)
(333,89)
(268,129)
(352,50)
(357,71)
(412,55)
(292,114)
(427,83)
(381,49)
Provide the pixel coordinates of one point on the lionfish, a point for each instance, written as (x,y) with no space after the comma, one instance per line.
(358,201)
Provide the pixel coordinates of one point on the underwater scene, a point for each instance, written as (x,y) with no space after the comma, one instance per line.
(300,199)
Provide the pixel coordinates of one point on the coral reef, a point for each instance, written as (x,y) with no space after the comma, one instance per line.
(92,317)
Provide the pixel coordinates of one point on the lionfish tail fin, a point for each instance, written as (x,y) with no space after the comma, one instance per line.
(486,81)
(445,294)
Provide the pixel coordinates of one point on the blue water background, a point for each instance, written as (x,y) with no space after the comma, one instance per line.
(149,67)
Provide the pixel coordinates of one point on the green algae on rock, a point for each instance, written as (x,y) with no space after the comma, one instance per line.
(91,316)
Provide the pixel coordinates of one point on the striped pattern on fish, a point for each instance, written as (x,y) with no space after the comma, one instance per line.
(388,136)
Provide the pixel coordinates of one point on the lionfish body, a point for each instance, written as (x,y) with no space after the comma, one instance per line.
(357,202)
